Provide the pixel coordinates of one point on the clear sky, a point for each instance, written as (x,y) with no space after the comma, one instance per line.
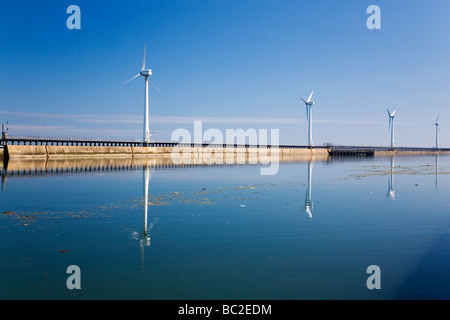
(230,63)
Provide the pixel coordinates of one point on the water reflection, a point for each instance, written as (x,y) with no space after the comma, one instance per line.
(436,182)
(308,200)
(225,261)
(36,167)
(4,178)
(391,190)
(144,236)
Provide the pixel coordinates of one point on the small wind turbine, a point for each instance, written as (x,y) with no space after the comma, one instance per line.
(309,104)
(145,73)
(391,125)
(437,132)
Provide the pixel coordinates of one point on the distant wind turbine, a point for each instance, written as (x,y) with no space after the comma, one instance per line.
(437,132)
(145,73)
(391,125)
(309,104)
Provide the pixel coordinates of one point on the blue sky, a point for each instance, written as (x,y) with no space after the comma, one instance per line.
(232,64)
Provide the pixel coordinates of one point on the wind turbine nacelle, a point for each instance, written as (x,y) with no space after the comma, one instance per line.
(311,103)
(146,72)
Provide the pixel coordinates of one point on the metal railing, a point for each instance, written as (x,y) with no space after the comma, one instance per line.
(37,140)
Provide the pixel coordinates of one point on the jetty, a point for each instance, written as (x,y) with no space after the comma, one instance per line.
(60,148)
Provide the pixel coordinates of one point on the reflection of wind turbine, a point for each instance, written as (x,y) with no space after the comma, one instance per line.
(391,125)
(308,201)
(309,104)
(144,237)
(437,171)
(437,132)
(145,73)
(391,191)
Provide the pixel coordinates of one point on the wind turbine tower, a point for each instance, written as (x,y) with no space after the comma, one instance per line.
(145,73)
(309,104)
(391,126)
(437,132)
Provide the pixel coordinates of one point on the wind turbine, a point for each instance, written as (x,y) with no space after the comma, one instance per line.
(309,104)
(391,125)
(437,132)
(145,73)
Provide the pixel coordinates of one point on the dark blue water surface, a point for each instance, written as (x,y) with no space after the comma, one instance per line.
(227,232)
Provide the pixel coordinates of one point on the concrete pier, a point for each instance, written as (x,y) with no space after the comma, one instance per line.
(60,148)
(61,152)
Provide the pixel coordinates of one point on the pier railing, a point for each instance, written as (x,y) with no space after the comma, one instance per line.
(58,141)
(61,141)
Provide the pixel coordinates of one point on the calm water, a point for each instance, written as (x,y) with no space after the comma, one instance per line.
(226,232)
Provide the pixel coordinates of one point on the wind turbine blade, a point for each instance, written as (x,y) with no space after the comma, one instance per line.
(393,113)
(154,86)
(310,96)
(304,100)
(132,78)
(143,59)
(437,119)
(389,113)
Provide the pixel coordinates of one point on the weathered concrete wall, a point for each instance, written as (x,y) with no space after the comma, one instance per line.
(26,151)
(36,152)
(190,155)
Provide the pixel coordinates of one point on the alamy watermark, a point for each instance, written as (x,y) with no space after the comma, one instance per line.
(374,280)
(74,280)
(235,147)
(74,20)
(374,21)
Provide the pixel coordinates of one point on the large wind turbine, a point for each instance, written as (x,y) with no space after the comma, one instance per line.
(437,132)
(309,104)
(391,125)
(145,73)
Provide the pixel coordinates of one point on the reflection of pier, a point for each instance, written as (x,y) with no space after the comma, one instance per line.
(36,167)
(16,168)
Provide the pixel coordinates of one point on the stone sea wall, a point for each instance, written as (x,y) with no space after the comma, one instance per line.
(185,154)
(44,152)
